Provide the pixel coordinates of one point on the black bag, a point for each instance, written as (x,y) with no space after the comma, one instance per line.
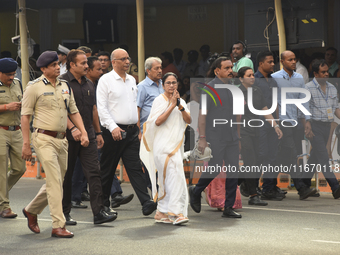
(189,139)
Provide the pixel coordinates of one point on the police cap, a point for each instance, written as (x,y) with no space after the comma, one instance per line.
(47,58)
(8,65)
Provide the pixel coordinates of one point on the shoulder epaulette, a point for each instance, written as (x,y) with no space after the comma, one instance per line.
(34,81)
(19,84)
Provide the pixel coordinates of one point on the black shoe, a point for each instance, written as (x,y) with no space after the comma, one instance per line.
(85,196)
(69,220)
(103,217)
(255,200)
(280,190)
(149,207)
(317,194)
(272,195)
(244,189)
(306,192)
(120,200)
(78,204)
(230,213)
(336,193)
(109,211)
(195,203)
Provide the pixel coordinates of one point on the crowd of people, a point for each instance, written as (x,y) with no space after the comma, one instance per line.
(89,113)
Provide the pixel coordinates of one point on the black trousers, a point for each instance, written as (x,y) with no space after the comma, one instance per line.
(88,157)
(319,156)
(128,150)
(250,156)
(268,146)
(229,153)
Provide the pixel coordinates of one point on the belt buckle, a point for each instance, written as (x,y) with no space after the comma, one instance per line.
(11,128)
(130,126)
(60,135)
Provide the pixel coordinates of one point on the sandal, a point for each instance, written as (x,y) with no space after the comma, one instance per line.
(180,220)
(164,220)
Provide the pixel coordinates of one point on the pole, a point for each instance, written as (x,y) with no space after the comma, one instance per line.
(23,43)
(280,27)
(140,33)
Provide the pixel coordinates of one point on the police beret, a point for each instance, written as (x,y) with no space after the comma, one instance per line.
(8,65)
(47,58)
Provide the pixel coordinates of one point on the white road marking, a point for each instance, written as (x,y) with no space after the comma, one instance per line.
(324,241)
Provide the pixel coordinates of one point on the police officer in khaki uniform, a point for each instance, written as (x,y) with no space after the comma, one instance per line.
(10,133)
(50,100)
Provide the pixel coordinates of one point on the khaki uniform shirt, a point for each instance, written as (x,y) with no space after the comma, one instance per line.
(48,103)
(8,95)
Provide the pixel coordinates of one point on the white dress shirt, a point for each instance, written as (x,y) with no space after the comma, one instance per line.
(63,68)
(301,69)
(117,100)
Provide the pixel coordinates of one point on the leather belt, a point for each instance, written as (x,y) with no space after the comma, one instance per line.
(55,134)
(127,126)
(10,128)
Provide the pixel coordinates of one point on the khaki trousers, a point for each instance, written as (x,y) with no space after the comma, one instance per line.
(10,148)
(52,153)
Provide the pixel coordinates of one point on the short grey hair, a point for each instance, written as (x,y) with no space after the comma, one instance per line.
(149,61)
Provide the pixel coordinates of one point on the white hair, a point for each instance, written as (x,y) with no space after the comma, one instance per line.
(149,61)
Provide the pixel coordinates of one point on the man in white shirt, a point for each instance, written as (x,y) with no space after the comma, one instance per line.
(300,68)
(62,54)
(117,109)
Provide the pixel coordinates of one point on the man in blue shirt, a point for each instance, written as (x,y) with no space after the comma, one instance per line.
(290,144)
(148,89)
(323,106)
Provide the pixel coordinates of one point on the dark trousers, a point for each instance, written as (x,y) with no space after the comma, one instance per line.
(249,152)
(319,155)
(268,147)
(79,182)
(115,188)
(128,150)
(89,161)
(229,153)
(289,148)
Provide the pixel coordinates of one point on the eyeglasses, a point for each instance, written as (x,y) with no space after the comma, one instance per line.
(171,83)
(103,60)
(123,59)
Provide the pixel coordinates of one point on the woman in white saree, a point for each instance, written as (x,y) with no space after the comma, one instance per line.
(162,151)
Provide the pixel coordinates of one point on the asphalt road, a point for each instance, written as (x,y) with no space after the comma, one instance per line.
(290,226)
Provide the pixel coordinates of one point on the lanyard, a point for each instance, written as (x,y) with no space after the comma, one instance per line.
(322,94)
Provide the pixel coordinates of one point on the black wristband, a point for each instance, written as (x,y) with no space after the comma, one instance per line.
(182,109)
(99,133)
(178,102)
(72,128)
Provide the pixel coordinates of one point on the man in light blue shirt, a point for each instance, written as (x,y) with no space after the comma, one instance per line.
(148,89)
(290,144)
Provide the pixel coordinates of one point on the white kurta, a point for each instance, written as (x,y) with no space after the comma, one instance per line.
(162,151)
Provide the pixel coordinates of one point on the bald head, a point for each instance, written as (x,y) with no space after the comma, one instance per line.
(286,53)
(288,61)
(116,53)
(120,61)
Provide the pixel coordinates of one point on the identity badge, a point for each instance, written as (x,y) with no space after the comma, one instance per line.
(330,113)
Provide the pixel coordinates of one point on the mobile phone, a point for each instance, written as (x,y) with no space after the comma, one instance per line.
(123,134)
